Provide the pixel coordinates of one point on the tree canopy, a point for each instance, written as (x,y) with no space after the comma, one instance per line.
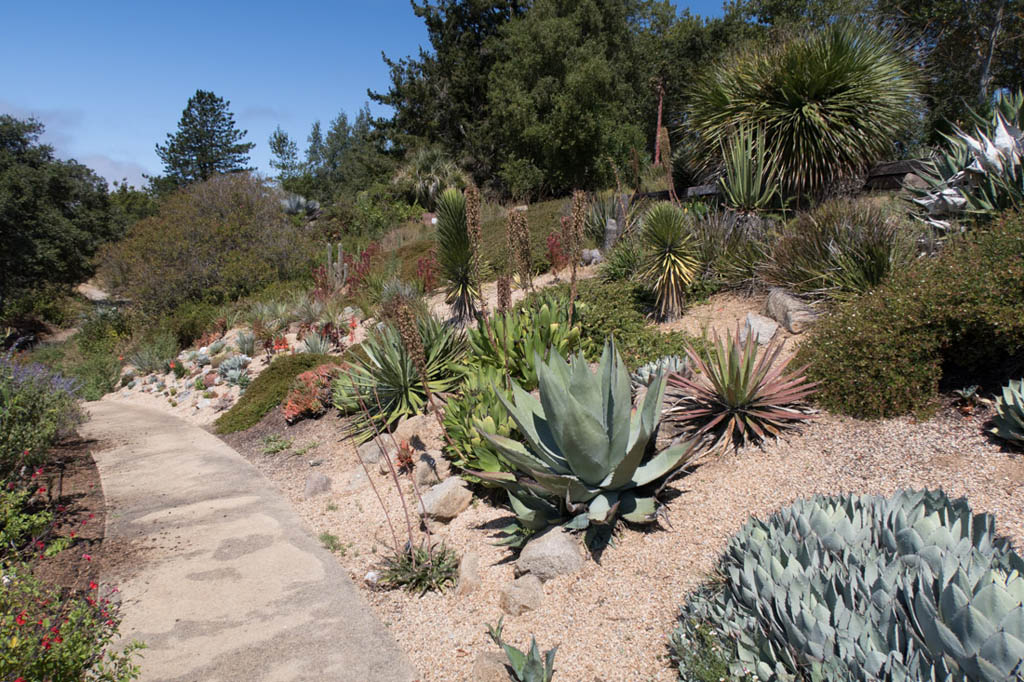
(54,214)
(206,143)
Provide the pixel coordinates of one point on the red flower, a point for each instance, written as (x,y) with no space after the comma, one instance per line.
(72,533)
(20,620)
(93,585)
(171,364)
(19,679)
(87,557)
(40,544)
(42,489)
(45,643)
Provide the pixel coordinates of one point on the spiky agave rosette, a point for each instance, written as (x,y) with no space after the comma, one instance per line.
(589,456)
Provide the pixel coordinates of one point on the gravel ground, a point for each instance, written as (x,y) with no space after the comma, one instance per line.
(610,620)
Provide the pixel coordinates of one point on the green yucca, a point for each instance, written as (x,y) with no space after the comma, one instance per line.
(671,262)
(749,183)
(830,104)
(455,254)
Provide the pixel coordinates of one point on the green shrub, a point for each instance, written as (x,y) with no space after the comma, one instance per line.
(958,315)
(619,309)
(37,408)
(211,242)
(267,391)
(910,587)
(154,354)
(623,261)
(51,635)
(843,246)
(478,408)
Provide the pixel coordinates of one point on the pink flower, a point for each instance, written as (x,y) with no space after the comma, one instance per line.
(87,557)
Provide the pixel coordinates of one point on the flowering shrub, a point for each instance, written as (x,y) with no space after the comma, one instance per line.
(50,636)
(556,254)
(37,407)
(426,271)
(359,268)
(310,394)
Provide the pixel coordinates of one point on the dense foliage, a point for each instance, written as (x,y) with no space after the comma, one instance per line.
(54,215)
(830,104)
(211,242)
(37,407)
(957,316)
(911,587)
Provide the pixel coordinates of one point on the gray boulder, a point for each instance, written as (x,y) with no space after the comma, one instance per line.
(469,574)
(370,451)
(317,484)
(789,311)
(430,469)
(591,256)
(446,500)
(763,328)
(489,666)
(521,595)
(552,553)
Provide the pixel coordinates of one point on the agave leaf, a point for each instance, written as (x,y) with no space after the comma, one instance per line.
(663,463)
(637,509)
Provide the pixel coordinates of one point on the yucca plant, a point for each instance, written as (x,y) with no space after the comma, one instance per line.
(830,103)
(589,458)
(385,380)
(1009,419)
(671,263)
(843,246)
(749,183)
(734,396)
(455,255)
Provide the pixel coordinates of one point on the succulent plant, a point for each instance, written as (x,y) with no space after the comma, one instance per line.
(669,364)
(455,255)
(317,344)
(1009,419)
(478,409)
(235,377)
(245,343)
(526,666)
(910,587)
(511,341)
(589,458)
(232,364)
(737,396)
(298,205)
(671,261)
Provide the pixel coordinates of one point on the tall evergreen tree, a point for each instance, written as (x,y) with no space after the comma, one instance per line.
(206,143)
(285,153)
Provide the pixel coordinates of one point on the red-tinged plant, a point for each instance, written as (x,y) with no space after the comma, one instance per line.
(359,268)
(735,397)
(310,394)
(426,271)
(556,254)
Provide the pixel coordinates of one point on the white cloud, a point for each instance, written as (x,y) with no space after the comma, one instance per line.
(112,169)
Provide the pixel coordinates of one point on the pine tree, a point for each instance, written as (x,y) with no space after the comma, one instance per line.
(286,155)
(206,143)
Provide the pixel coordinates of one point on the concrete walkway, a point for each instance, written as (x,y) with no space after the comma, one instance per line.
(230,584)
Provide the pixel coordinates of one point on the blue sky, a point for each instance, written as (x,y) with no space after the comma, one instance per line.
(110,79)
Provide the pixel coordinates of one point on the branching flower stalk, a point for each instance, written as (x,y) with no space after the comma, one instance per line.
(574,244)
(410,334)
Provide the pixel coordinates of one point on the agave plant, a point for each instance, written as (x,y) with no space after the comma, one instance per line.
(384,379)
(318,344)
(235,362)
(511,342)
(456,255)
(749,183)
(830,103)
(734,396)
(907,588)
(1009,419)
(245,343)
(668,364)
(979,173)
(588,458)
(527,666)
(671,263)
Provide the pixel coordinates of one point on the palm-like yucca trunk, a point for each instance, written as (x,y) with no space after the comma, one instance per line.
(455,253)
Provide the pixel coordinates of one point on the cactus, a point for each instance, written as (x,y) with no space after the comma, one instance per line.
(336,268)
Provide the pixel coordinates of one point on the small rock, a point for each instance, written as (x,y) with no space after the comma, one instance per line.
(552,553)
(210,379)
(315,462)
(469,574)
(222,404)
(357,481)
(372,578)
(430,469)
(521,595)
(446,500)
(203,404)
(591,256)
(317,484)
(370,451)
(489,666)
(792,313)
(763,328)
